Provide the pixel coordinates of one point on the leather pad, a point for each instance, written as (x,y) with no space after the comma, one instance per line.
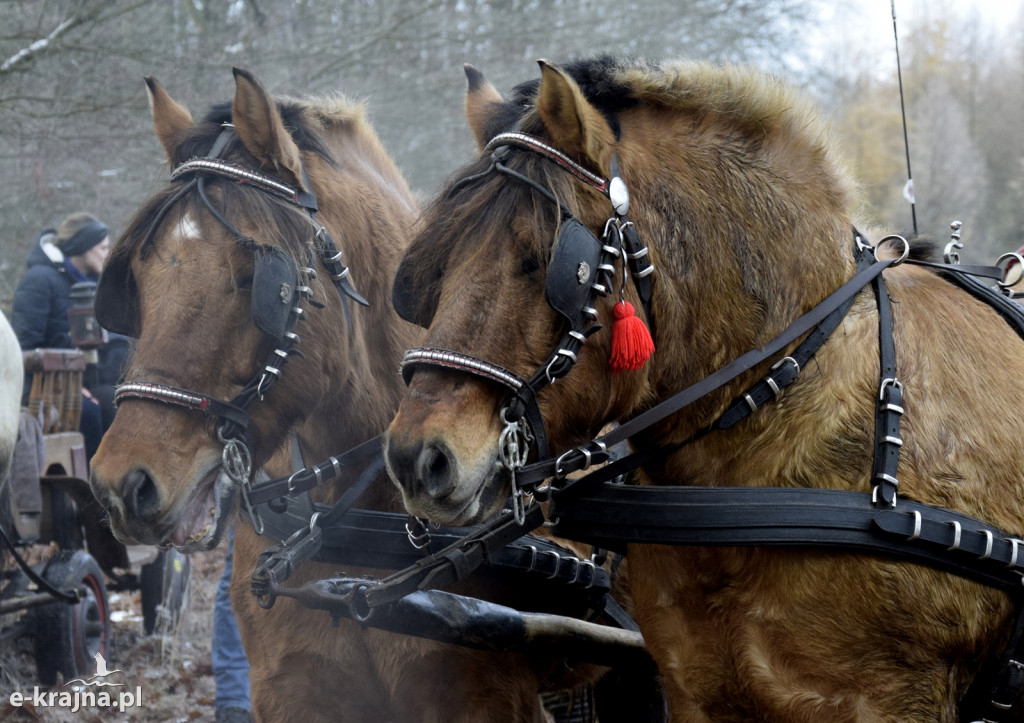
(274,279)
(572,271)
(117,299)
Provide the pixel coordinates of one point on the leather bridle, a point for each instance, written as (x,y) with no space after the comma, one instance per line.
(581,264)
(595,510)
(285,287)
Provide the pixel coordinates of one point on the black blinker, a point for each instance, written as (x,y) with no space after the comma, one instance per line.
(572,271)
(117,298)
(274,281)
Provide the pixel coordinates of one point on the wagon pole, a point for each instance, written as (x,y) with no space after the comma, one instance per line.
(908,190)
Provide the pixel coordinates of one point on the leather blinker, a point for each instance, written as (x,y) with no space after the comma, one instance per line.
(274,282)
(117,299)
(572,271)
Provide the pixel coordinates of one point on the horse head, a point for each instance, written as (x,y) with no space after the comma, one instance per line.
(219,276)
(510,252)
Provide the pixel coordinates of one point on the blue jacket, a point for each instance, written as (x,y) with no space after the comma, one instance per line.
(39,314)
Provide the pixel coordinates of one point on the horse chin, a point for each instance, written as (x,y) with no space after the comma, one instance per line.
(207,514)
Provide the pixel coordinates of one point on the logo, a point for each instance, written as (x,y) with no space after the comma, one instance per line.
(83,693)
(98,678)
(582,272)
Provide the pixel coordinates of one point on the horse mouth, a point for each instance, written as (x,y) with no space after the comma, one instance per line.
(206,514)
(485,502)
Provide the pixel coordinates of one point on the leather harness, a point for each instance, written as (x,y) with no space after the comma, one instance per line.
(593,509)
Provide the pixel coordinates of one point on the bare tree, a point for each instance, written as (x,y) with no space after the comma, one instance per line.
(77,135)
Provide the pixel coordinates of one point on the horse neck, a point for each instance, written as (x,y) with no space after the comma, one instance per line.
(739,255)
(367,207)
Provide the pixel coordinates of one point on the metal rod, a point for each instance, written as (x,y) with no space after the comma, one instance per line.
(903,112)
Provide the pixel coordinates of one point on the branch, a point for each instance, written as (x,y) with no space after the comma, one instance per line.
(39,46)
(392,23)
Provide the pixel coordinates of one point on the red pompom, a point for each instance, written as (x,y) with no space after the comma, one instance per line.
(632,345)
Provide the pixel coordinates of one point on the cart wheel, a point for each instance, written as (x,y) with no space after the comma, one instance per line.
(163,584)
(68,636)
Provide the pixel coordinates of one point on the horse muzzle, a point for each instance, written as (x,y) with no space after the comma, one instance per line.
(138,515)
(437,485)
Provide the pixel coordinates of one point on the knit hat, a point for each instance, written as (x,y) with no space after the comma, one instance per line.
(79,233)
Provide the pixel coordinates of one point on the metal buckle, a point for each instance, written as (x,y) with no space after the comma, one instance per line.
(889,382)
(417,538)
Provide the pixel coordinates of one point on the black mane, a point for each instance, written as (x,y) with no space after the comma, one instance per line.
(596,77)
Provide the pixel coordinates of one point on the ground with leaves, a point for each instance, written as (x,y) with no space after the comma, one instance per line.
(173,669)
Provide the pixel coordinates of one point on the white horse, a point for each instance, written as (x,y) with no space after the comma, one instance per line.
(12,375)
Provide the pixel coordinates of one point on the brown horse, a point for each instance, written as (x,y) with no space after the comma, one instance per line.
(739,193)
(207,276)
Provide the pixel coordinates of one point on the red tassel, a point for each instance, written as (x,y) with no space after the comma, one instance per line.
(632,345)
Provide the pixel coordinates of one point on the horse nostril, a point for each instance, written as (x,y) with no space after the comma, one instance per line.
(435,471)
(141,497)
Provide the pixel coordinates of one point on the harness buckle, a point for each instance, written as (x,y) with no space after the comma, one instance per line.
(418,537)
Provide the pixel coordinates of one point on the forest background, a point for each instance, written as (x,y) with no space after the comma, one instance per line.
(75,130)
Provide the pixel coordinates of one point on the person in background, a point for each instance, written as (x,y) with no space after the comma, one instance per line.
(230,664)
(60,258)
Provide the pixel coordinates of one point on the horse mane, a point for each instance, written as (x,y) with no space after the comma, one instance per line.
(752,99)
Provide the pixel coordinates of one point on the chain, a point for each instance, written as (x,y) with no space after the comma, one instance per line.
(513,449)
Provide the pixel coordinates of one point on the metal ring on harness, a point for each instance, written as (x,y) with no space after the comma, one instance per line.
(1003,283)
(906,248)
(236,457)
(358,604)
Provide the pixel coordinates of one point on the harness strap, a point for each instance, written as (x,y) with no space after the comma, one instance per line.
(785,371)
(310,477)
(612,514)
(368,538)
(1012,312)
(579,458)
(182,398)
(997,689)
(890,407)
(530,143)
(454,562)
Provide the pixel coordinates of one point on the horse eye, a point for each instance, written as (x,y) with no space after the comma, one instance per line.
(530,264)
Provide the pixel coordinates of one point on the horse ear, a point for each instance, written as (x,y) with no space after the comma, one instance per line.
(575,126)
(482,99)
(261,130)
(170,118)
